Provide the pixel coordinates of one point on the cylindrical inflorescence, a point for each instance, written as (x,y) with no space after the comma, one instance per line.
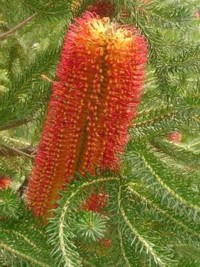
(93,102)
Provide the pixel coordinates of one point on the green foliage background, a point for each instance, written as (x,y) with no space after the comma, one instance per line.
(153,215)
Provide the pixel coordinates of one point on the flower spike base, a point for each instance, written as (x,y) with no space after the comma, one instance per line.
(93,102)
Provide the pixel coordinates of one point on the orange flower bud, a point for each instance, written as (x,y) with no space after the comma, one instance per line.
(174,137)
(105,242)
(4,182)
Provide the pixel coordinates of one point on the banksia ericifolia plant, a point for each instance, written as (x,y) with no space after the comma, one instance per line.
(93,103)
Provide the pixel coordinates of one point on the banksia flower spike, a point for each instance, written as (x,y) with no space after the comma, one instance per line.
(93,102)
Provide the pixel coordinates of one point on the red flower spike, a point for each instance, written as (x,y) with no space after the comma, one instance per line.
(96,202)
(100,78)
(174,137)
(4,182)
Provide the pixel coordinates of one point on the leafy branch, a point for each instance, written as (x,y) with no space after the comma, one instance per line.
(5,35)
(59,228)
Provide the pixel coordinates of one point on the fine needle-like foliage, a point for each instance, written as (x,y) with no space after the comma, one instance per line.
(133,198)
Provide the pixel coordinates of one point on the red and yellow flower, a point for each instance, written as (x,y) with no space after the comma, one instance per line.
(93,103)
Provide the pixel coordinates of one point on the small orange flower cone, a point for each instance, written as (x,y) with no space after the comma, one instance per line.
(4,182)
(174,137)
(93,102)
